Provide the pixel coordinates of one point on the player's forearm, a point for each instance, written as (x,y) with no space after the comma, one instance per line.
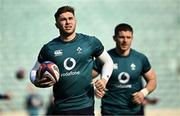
(150,78)
(33,77)
(33,72)
(151,85)
(107,67)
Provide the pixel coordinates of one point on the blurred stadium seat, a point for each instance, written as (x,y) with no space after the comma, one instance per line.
(26,25)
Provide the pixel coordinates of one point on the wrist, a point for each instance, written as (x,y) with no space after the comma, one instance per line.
(106,78)
(145,91)
(105,81)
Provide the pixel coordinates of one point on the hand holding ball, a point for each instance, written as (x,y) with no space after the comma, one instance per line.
(47,74)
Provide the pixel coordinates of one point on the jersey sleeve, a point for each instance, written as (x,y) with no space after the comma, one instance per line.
(97,47)
(146,64)
(43,54)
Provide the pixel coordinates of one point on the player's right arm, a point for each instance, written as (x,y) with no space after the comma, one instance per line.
(36,80)
(150,78)
(105,71)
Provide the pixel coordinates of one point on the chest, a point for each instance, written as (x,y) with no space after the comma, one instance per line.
(70,53)
(127,68)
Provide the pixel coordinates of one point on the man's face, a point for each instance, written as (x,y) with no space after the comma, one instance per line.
(66,23)
(123,40)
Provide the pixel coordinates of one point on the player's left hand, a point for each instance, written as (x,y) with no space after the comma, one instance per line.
(101,84)
(138,97)
(99,94)
(43,82)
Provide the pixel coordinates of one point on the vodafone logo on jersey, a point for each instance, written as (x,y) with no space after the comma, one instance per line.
(123,77)
(69,63)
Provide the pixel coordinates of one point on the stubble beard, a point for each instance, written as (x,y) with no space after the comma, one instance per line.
(65,33)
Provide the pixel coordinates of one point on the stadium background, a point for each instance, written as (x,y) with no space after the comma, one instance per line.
(25,25)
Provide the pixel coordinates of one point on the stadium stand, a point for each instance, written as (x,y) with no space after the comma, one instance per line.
(25,25)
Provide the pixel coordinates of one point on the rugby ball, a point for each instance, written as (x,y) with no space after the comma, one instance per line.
(49,70)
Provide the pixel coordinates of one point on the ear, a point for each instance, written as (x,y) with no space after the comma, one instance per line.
(114,37)
(56,25)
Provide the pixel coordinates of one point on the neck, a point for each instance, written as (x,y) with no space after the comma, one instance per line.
(123,52)
(67,37)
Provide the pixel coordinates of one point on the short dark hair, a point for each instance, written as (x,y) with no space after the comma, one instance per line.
(63,9)
(122,27)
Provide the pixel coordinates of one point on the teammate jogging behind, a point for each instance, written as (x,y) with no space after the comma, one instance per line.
(125,93)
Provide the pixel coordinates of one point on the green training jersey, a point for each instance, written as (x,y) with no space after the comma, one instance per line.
(75,61)
(124,81)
